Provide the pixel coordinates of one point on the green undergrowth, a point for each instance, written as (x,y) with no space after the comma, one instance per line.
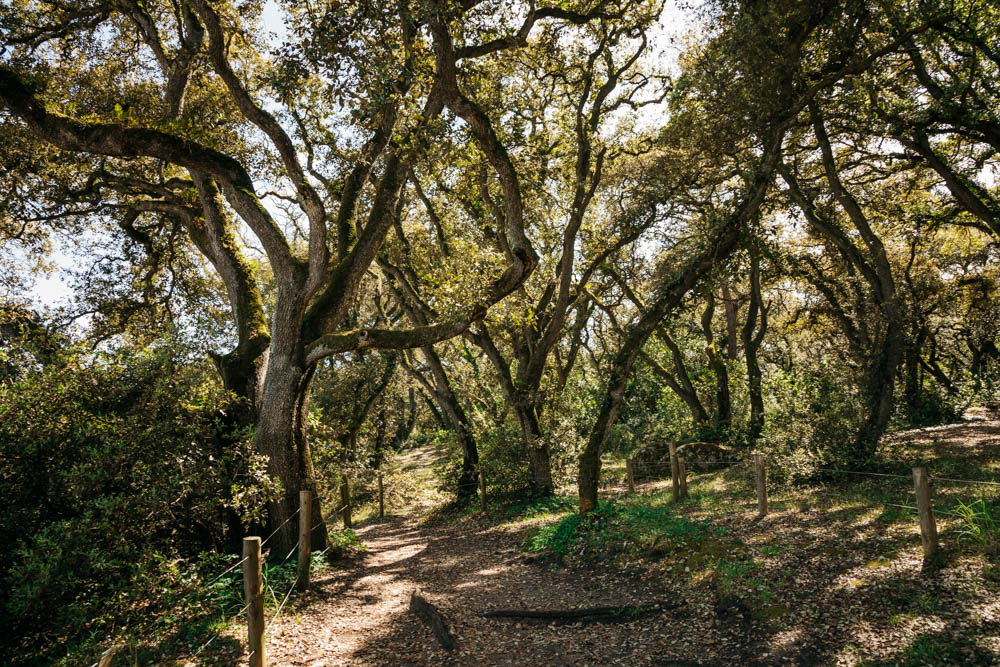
(540,507)
(620,528)
(343,543)
(199,608)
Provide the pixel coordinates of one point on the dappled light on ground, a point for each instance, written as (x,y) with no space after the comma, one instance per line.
(831,576)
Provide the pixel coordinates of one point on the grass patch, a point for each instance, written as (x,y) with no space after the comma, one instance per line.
(980,525)
(539,507)
(620,528)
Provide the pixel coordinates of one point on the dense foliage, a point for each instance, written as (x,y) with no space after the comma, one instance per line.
(119,471)
(529,237)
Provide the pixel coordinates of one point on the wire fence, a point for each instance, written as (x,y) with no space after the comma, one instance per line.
(651,469)
(328,522)
(638,469)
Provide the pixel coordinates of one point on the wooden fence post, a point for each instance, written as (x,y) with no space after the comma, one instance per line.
(630,475)
(928,528)
(106,657)
(482,487)
(381,497)
(345,500)
(682,471)
(760,477)
(252,585)
(675,471)
(305,539)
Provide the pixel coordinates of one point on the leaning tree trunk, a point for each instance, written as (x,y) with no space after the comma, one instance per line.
(670,296)
(687,391)
(590,457)
(751,344)
(456,417)
(522,396)
(462,428)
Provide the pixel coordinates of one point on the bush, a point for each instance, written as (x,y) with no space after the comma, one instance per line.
(121,469)
(504,461)
(980,524)
(929,408)
(812,418)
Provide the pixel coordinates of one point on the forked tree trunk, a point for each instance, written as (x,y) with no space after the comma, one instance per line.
(670,296)
(450,414)
(724,406)
(456,417)
(879,389)
(522,395)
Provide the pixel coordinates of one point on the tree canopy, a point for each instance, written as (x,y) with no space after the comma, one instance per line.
(523,229)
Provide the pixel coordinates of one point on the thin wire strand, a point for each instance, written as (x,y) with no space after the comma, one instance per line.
(292,516)
(281,606)
(964,481)
(857,499)
(216,636)
(227,571)
(331,518)
(909,507)
(858,472)
(289,555)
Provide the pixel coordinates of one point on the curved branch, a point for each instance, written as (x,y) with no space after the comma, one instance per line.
(118,141)
(310,200)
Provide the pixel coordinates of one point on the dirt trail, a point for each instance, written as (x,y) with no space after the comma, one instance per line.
(849,585)
(360,615)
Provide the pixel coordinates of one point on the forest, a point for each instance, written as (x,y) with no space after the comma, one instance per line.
(517,291)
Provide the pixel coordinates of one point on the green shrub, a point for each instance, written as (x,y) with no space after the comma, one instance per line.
(929,408)
(121,468)
(344,542)
(979,524)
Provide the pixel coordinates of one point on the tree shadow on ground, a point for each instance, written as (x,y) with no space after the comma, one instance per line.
(818,581)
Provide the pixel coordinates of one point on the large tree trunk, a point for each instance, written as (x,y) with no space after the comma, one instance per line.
(724,406)
(880,373)
(879,386)
(243,373)
(524,401)
(281,436)
(537,449)
(590,457)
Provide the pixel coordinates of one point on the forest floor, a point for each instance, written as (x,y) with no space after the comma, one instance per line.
(823,579)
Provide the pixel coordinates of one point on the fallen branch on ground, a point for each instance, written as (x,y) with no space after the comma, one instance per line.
(433,618)
(589,615)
